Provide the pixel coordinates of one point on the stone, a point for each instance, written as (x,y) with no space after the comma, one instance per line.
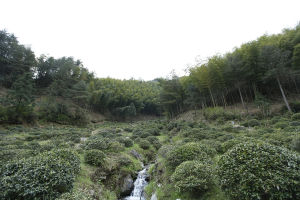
(127,185)
(154,196)
(136,154)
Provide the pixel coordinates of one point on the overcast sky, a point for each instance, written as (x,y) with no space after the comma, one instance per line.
(143,38)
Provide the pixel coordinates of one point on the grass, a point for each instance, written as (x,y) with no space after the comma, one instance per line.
(84,179)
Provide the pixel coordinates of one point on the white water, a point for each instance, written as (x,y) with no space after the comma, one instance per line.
(139,186)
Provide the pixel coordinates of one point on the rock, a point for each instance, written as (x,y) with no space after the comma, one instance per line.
(92,192)
(154,196)
(147,177)
(127,185)
(136,154)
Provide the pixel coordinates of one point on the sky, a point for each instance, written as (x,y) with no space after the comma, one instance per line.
(143,39)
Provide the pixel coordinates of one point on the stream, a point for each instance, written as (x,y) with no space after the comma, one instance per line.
(139,186)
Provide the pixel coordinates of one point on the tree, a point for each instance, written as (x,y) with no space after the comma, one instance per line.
(234,72)
(45,71)
(275,62)
(15,59)
(172,96)
(20,99)
(296,57)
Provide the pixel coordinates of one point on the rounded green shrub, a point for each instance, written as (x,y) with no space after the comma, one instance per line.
(152,139)
(128,142)
(97,143)
(144,144)
(94,157)
(145,134)
(260,171)
(281,125)
(295,123)
(275,119)
(45,176)
(296,144)
(225,146)
(124,160)
(193,176)
(296,116)
(251,123)
(128,129)
(68,155)
(219,113)
(154,131)
(189,151)
(116,147)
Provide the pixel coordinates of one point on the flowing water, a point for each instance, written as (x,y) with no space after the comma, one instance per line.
(139,186)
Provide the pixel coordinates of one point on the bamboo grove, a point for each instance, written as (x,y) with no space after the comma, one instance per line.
(268,67)
(63,90)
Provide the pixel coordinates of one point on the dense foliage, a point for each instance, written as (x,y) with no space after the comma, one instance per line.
(260,171)
(268,67)
(72,90)
(189,151)
(44,176)
(125,98)
(257,71)
(193,176)
(94,157)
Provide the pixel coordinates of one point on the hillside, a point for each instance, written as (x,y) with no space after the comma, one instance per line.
(107,156)
(228,130)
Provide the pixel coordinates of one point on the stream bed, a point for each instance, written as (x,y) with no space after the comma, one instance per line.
(139,186)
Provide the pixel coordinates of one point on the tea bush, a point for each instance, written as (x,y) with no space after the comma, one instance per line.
(45,176)
(275,119)
(296,116)
(94,157)
(193,176)
(260,171)
(219,113)
(295,106)
(97,143)
(116,147)
(128,129)
(295,123)
(251,123)
(189,151)
(144,144)
(68,155)
(296,144)
(231,143)
(127,142)
(281,125)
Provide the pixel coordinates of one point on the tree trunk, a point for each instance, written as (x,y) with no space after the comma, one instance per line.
(254,90)
(241,96)
(212,98)
(283,95)
(295,83)
(224,100)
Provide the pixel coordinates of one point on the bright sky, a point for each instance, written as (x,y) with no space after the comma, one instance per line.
(142,38)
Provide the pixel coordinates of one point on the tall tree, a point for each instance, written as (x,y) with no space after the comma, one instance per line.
(15,59)
(275,61)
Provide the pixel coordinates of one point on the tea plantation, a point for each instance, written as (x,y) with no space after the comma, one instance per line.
(244,157)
